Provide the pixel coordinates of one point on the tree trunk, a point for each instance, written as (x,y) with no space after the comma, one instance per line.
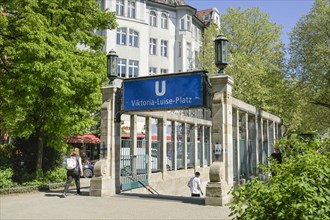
(39,157)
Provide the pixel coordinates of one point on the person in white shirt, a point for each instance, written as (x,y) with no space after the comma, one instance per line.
(195,185)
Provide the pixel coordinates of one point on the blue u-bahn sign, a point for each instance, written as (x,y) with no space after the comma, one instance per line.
(162,92)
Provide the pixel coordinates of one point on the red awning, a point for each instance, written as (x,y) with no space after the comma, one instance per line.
(84,139)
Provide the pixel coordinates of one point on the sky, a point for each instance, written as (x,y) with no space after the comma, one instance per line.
(282,12)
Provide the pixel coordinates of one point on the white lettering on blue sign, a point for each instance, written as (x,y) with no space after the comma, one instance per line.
(157,88)
(179,91)
(163,101)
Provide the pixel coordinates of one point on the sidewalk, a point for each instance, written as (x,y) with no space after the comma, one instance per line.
(51,205)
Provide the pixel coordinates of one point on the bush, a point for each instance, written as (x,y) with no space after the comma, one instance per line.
(57,175)
(6,178)
(300,189)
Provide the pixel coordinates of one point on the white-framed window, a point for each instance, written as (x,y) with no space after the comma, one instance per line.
(163,48)
(189,53)
(133,38)
(164,21)
(163,71)
(153,19)
(180,49)
(121,36)
(120,7)
(131,9)
(152,70)
(182,24)
(152,46)
(188,22)
(121,69)
(206,17)
(133,68)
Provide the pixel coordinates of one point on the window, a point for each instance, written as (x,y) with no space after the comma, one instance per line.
(133,68)
(189,53)
(120,7)
(182,24)
(133,38)
(206,17)
(164,21)
(163,48)
(180,49)
(153,19)
(163,71)
(121,36)
(121,69)
(153,46)
(152,70)
(131,9)
(188,22)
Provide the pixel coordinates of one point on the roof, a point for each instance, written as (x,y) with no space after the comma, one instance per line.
(171,2)
(202,13)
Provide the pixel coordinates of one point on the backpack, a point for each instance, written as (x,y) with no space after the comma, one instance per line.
(70,163)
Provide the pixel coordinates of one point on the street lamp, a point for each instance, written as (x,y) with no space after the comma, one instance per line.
(112,65)
(221,53)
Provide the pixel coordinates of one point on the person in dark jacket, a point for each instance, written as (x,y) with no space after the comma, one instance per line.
(74,174)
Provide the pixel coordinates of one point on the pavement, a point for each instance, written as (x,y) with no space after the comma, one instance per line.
(52,205)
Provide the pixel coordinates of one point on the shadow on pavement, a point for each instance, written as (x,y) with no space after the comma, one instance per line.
(183,199)
(71,192)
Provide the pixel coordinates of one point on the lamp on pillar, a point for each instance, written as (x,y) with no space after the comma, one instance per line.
(221,53)
(112,64)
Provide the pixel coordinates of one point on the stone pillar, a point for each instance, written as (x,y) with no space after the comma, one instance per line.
(175,145)
(103,182)
(194,145)
(221,170)
(202,143)
(162,140)
(184,145)
(149,142)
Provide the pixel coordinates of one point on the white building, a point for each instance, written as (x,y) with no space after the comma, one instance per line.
(156,36)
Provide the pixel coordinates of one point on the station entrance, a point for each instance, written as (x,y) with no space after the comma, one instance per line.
(157,139)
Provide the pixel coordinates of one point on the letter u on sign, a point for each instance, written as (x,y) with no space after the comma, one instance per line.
(163,89)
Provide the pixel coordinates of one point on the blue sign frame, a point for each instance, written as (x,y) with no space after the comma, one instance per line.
(164,92)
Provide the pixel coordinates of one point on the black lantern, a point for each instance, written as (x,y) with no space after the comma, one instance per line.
(221,53)
(112,65)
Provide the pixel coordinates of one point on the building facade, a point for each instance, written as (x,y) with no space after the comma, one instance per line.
(156,36)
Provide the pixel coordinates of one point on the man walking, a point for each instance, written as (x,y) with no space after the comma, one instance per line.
(195,185)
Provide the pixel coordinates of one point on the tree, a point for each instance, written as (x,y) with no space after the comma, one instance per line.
(51,68)
(256,58)
(206,55)
(299,190)
(309,67)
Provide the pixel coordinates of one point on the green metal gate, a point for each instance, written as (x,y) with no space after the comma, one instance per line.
(133,168)
(134,171)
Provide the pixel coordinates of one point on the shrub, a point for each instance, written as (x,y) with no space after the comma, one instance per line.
(300,189)
(57,175)
(6,177)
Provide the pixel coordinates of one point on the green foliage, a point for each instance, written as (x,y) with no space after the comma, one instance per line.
(256,59)
(6,152)
(57,175)
(206,55)
(6,177)
(309,67)
(299,190)
(53,68)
